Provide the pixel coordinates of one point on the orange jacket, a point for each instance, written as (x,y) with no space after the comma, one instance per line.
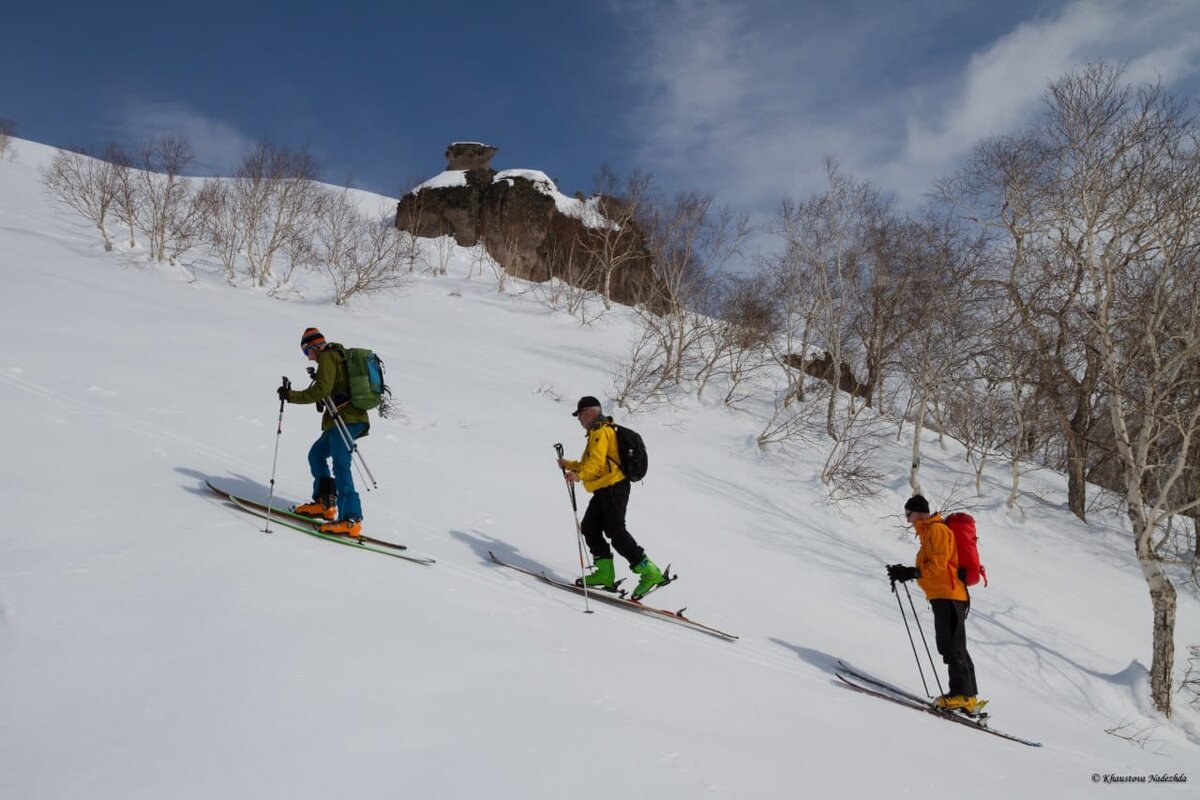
(598,467)
(938,560)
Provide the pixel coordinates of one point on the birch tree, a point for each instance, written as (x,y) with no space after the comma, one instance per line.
(8,129)
(610,244)
(827,244)
(84,182)
(1010,186)
(360,254)
(276,196)
(1100,199)
(690,242)
(125,178)
(1130,222)
(165,203)
(941,305)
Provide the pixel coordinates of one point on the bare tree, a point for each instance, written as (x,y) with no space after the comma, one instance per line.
(1101,203)
(828,258)
(850,473)
(8,129)
(409,221)
(941,302)
(186,227)
(276,196)
(84,182)
(222,224)
(570,276)
(439,251)
(690,242)
(1135,232)
(977,414)
(360,254)
(881,321)
(127,188)
(609,240)
(796,309)
(638,380)
(736,341)
(1010,186)
(1008,370)
(165,202)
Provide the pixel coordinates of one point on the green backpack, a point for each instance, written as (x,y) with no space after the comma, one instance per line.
(365,372)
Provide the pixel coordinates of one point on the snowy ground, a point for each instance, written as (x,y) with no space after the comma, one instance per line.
(155,643)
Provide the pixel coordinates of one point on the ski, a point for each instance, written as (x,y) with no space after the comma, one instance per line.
(613,599)
(851,681)
(879,684)
(883,685)
(311,530)
(287,512)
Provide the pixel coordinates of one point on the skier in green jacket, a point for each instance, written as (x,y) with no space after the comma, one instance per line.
(334,497)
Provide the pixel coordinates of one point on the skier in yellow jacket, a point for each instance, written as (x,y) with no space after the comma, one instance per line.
(599,468)
(936,573)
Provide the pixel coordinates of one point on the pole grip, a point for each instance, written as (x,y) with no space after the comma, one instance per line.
(558,448)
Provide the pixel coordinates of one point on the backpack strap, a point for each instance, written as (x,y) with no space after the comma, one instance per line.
(608,421)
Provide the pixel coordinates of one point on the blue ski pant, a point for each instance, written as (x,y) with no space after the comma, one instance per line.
(331,447)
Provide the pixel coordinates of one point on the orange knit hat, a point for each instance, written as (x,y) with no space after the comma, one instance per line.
(311,338)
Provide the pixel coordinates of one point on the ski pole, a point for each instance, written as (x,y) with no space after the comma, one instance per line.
(344,431)
(275,461)
(360,464)
(558,448)
(910,636)
(932,667)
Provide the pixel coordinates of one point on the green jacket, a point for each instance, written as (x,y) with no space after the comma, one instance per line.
(332,381)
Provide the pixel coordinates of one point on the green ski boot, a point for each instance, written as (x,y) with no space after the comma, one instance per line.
(651,576)
(604,576)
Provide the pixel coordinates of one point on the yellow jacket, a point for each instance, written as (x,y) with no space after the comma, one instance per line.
(938,560)
(599,466)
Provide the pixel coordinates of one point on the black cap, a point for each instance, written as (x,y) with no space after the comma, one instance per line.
(917,503)
(587,401)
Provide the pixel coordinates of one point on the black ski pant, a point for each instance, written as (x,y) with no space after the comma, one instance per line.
(950,631)
(605,515)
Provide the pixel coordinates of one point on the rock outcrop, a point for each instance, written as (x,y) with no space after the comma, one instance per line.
(532,230)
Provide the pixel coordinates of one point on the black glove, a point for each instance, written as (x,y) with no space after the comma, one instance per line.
(898,573)
(284,389)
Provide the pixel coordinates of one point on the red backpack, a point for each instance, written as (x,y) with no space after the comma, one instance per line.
(969,568)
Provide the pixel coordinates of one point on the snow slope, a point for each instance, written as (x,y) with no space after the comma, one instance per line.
(155,643)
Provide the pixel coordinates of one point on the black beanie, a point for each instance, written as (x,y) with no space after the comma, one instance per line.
(917,503)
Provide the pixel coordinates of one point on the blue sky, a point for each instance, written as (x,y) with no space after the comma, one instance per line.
(741,99)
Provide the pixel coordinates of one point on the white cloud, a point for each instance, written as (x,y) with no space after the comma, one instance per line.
(219,146)
(744,99)
(1003,84)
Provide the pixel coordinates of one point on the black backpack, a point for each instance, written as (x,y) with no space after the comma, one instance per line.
(632,451)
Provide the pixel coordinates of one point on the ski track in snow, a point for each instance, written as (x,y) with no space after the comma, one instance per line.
(122,420)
